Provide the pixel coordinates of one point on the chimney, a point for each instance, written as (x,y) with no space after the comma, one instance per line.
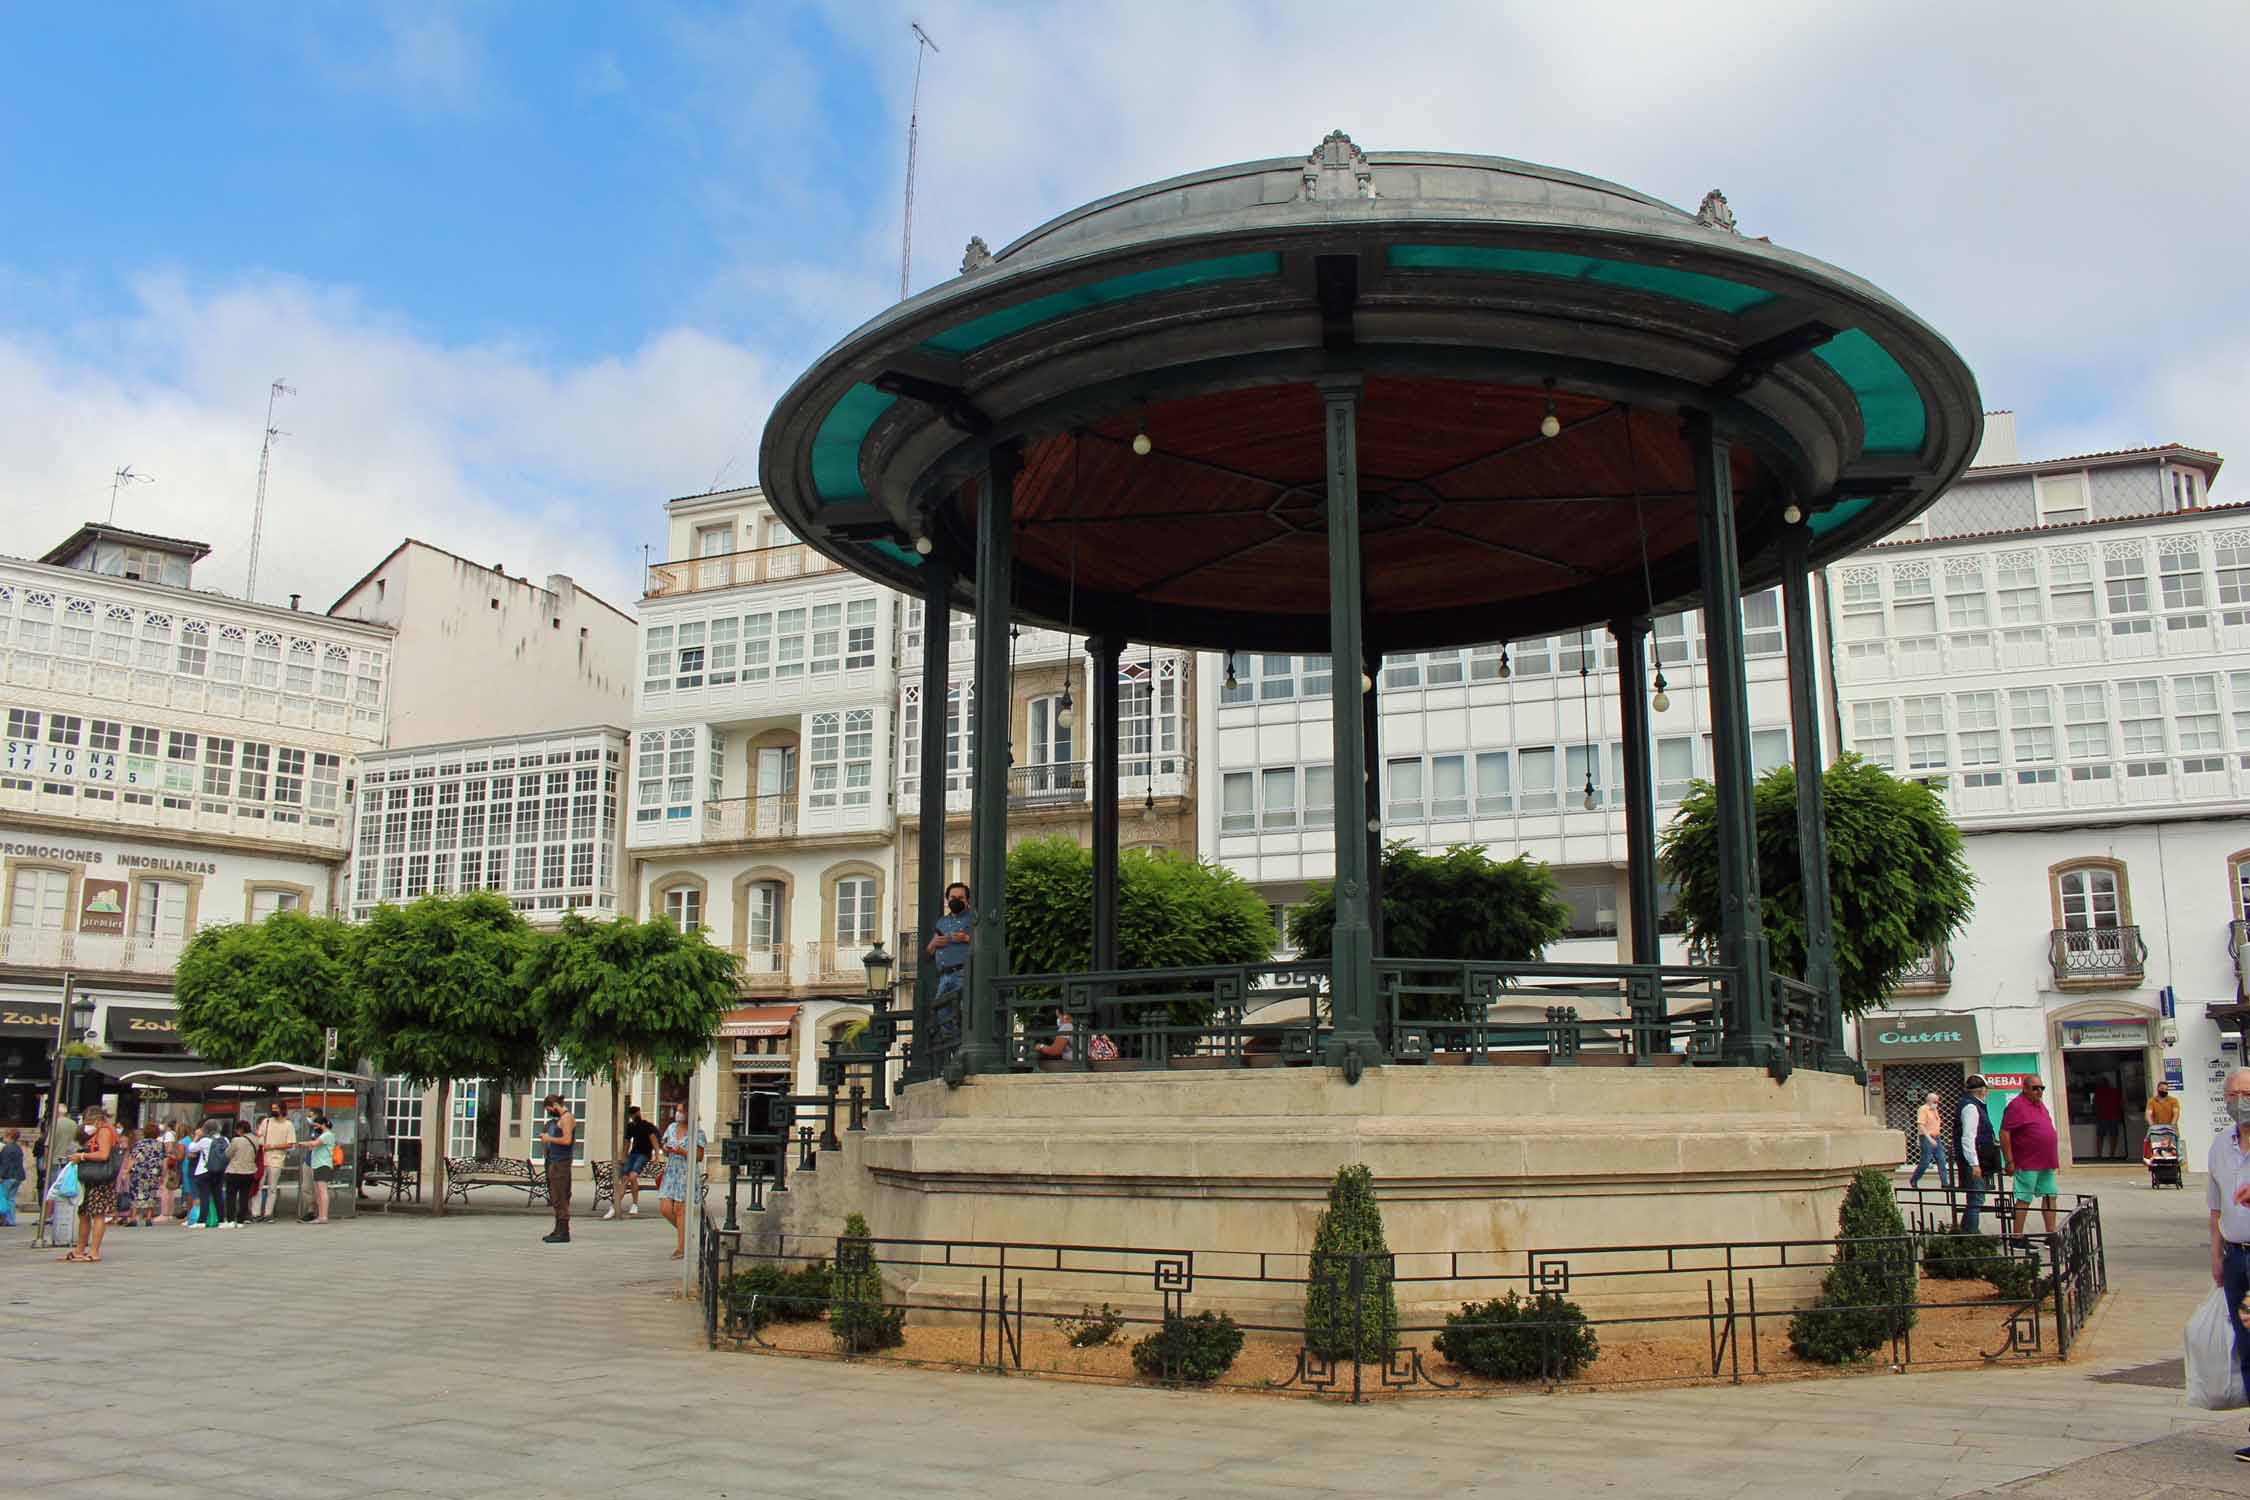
(293,598)
(559,585)
(501,569)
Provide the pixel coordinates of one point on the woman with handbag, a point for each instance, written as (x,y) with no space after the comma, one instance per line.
(97,1178)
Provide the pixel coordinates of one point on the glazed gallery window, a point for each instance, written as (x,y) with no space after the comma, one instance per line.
(960,733)
(1277,799)
(41,900)
(683,908)
(402,1110)
(842,758)
(1148,718)
(664,779)
(2088,898)
(762,942)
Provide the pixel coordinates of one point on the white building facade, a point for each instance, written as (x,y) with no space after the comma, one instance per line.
(174,759)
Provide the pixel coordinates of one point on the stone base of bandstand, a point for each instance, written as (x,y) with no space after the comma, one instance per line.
(1553,1171)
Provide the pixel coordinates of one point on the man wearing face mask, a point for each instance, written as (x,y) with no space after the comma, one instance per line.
(2227,1195)
(559,1137)
(949,945)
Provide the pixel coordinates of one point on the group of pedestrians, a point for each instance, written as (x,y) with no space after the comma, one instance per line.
(2025,1145)
(559,1135)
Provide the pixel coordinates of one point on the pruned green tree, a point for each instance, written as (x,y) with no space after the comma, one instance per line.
(1456,904)
(257,992)
(1340,1324)
(617,995)
(1868,1294)
(440,996)
(1898,879)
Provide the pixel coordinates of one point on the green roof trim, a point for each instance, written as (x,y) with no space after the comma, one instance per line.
(835,447)
(896,553)
(966,338)
(1891,416)
(1821,523)
(1714,292)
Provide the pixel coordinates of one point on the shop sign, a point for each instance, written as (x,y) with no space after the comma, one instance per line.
(144,1028)
(2077,1034)
(101,907)
(2007,1083)
(2175,1074)
(1927,1036)
(40,1018)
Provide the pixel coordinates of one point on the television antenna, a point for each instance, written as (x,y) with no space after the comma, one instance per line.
(265,460)
(922,46)
(121,478)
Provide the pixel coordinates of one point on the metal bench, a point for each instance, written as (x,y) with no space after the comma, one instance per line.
(397,1170)
(465,1174)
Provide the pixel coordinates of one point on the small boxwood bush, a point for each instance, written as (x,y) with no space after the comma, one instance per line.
(1197,1350)
(1337,1324)
(1867,1296)
(771,1293)
(1963,1257)
(857,1318)
(1091,1330)
(1545,1336)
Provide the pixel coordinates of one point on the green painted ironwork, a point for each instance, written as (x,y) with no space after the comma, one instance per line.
(1812,814)
(1714,292)
(988,813)
(1891,416)
(835,449)
(965,338)
(1353,1043)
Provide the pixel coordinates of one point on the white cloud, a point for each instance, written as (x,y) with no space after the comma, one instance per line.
(487,450)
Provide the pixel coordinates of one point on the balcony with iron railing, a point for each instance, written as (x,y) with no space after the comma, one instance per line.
(1930,974)
(730,570)
(2097,957)
(1059,784)
(101,953)
(763,968)
(773,816)
(2238,947)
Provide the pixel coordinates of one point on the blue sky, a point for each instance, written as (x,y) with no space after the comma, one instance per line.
(533,268)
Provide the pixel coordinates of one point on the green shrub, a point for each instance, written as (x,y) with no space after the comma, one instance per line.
(1351,1226)
(1963,1257)
(769,1293)
(1866,1297)
(1520,1338)
(857,1318)
(1198,1349)
(1093,1329)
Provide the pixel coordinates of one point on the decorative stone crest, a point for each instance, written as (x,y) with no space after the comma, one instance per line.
(1337,169)
(977,256)
(1714,214)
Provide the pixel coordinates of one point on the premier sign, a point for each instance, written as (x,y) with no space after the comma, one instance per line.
(1903,1038)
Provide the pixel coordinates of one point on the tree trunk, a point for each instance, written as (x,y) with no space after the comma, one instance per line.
(616,1114)
(444,1138)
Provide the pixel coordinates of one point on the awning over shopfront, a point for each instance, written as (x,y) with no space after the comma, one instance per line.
(759,1020)
(184,1075)
(143,1026)
(21,1016)
(1901,1039)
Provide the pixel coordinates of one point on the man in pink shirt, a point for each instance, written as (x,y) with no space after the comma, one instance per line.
(2030,1151)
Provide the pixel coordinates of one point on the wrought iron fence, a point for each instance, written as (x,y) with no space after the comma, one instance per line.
(1442,1011)
(1933,970)
(2097,952)
(773,816)
(1800,1022)
(1061,784)
(1232,1015)
(1330,1325)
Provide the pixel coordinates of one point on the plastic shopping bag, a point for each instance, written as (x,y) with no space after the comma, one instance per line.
(2214,1375)
(65,1184)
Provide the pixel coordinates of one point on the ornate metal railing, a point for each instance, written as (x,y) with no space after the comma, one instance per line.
(108,952)
(1062,784)
(1442,1011)
(1238,1015)
(694,575)
(769,817)
(1933,971)
(2238,948)
(1800,1022)
(2097,953)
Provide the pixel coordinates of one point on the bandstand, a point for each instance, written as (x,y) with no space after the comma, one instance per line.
(1360,403)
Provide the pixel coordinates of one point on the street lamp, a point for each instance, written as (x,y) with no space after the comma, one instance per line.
(879,966)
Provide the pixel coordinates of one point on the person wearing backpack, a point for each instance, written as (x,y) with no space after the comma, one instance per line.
(326,1156)
(211,1174)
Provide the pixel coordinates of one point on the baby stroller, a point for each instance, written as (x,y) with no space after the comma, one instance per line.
(2161,1151)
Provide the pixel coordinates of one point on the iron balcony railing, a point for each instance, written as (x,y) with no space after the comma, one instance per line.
(2115,954)
(2238,944)
(764,968)
(728,570)
(1932,971)
(1058,784)
(28,947)
(768,817)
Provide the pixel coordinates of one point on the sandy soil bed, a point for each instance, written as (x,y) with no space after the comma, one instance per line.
(1961,1329)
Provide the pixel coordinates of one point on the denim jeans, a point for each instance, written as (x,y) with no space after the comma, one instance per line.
(2235,1271)
(1933,1155)
(1972,1220)
(9,1186)
(187,1197)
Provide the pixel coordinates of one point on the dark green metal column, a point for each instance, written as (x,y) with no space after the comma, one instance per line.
(1353,1042)
(1102,653)
(937,642)
(1742,938)
(1371,733)
(1640,793)
(1812,812)
(988,812)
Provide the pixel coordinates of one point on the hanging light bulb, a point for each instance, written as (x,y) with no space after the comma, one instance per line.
(1591,802)
(1366,683)
(1142,445)
(1550,425)
(1792,514)
(922,543)
(1065,714)
(1230,670)
(1505,671)
(1662,700)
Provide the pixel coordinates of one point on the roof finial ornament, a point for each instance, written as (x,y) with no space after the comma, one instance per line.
(1714,214)
(977,256)
(1337,169)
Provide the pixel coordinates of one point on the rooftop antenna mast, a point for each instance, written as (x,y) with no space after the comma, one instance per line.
(265,462)
(124,476)
(922,45)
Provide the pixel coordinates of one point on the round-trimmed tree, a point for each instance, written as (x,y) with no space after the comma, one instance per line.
(257,992)
(1898,880)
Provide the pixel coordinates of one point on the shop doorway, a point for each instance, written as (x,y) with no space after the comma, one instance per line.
(2105,1085)
(1906,1085)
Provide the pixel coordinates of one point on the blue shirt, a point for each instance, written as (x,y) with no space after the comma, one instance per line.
(953,955)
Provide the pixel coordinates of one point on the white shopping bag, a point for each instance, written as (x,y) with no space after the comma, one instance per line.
(2214,1375)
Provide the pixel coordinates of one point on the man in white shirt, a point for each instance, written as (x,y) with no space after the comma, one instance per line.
(2227,1195)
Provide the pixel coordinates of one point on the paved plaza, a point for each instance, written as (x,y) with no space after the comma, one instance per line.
(416,1356)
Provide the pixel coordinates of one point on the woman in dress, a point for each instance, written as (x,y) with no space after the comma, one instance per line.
(671,1198)
(148,1174)
(98,1200)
